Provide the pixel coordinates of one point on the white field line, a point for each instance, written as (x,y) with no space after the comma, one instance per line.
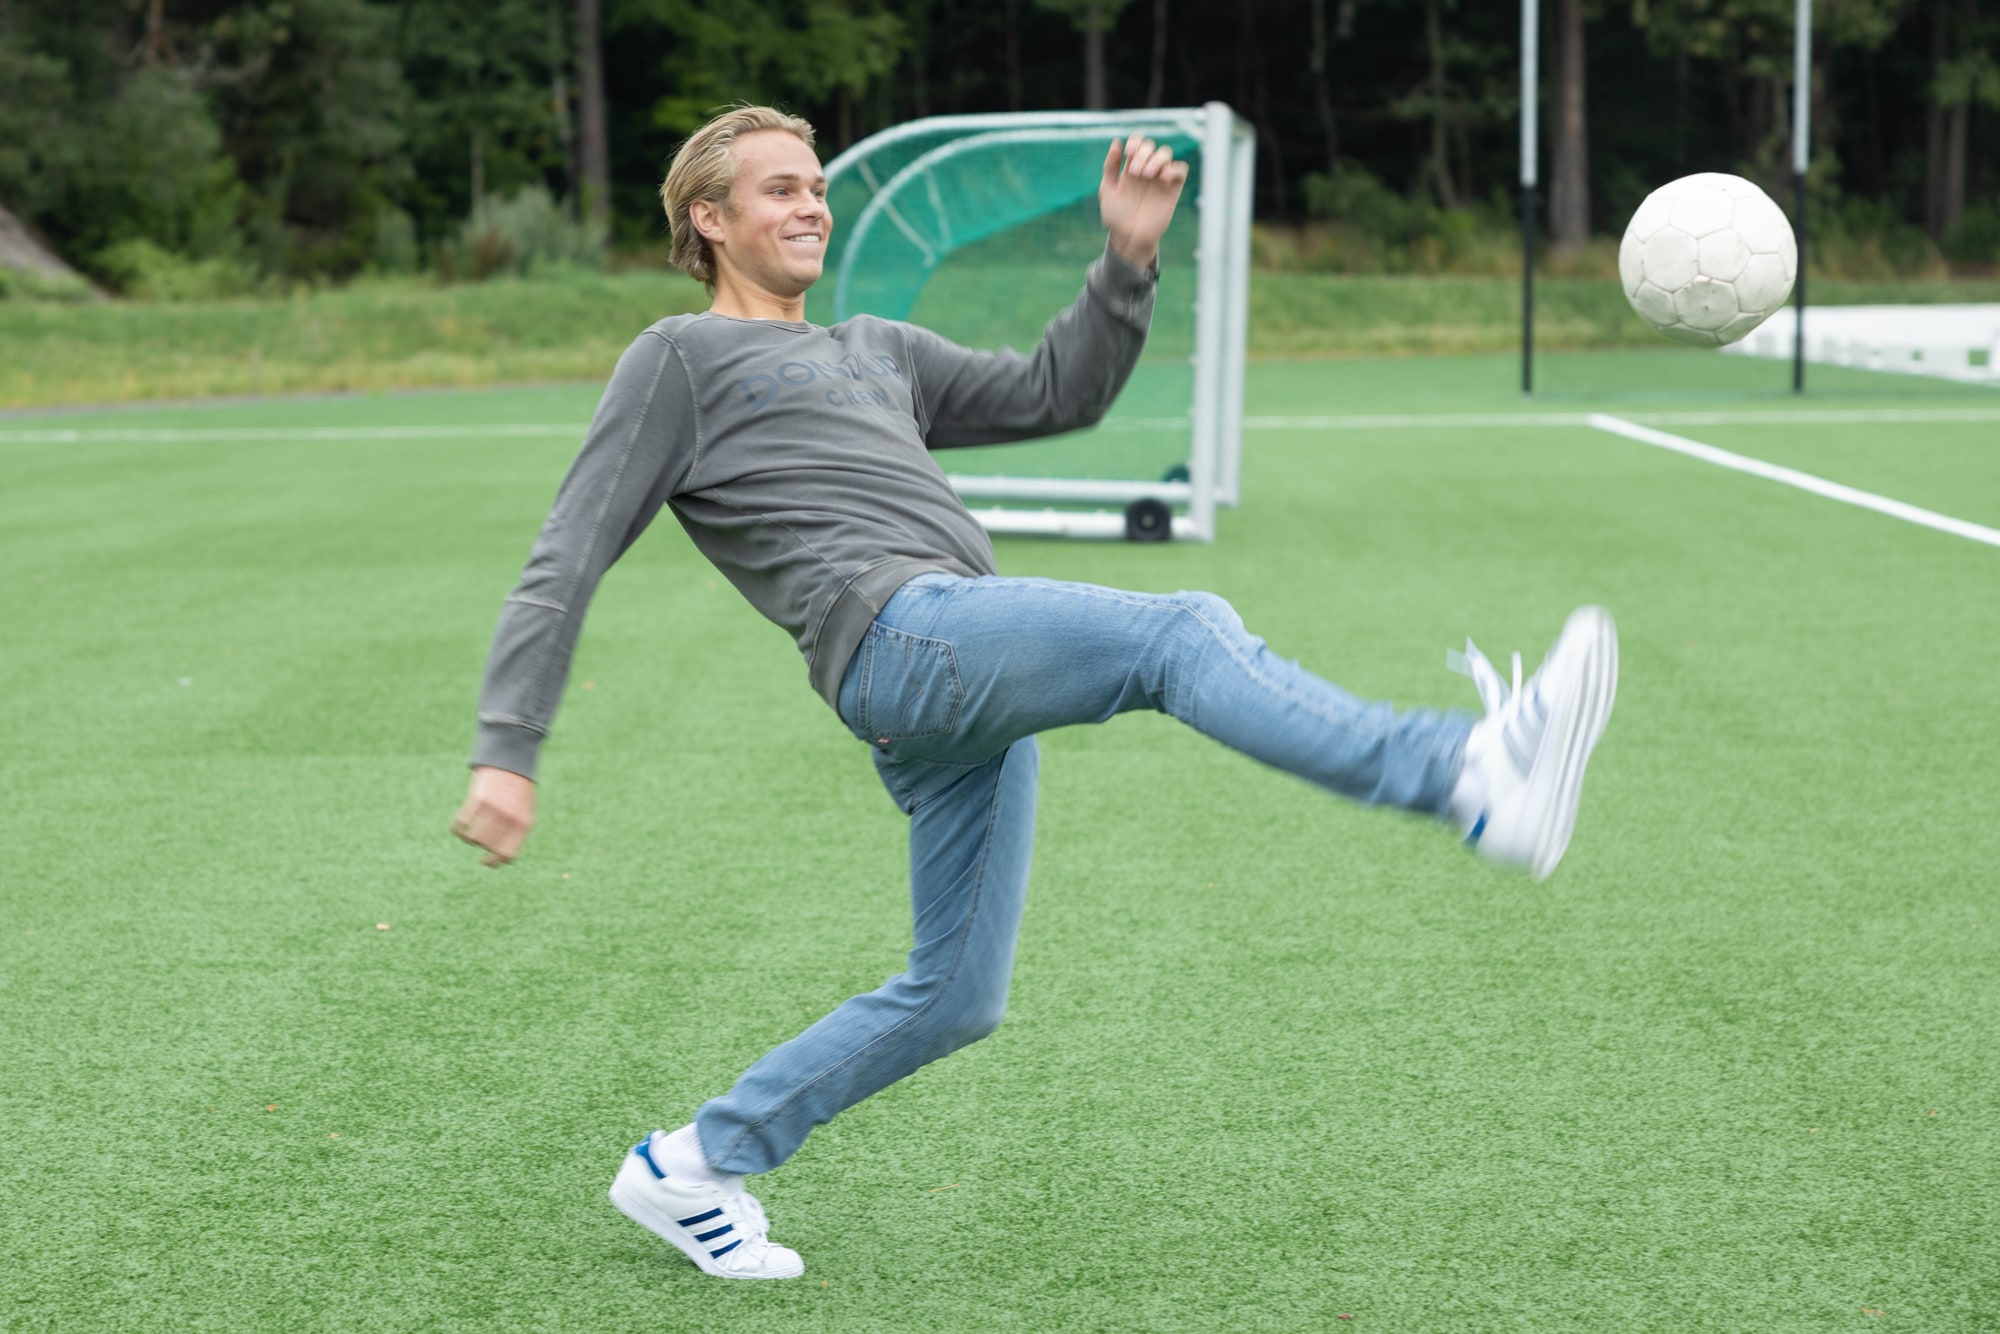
(282,434)
(1804,481)
(181,434)
(1363,422)
(1821,416)
(1415,421)
(1778,416)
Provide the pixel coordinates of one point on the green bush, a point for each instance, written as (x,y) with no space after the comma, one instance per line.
(25,285)
(526,233)
(151,166)
(395,242)
(148,272)
(1864,240)
(1363,226)
(1352,195)
(1976,239)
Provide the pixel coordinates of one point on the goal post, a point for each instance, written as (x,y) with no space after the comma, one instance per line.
(980,227)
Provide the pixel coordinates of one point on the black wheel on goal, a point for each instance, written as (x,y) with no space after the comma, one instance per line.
(1148,520)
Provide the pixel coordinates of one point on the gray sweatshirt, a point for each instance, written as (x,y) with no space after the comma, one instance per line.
(798,459)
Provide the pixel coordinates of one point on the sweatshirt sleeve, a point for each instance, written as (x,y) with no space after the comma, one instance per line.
(1085,356)
(639,448)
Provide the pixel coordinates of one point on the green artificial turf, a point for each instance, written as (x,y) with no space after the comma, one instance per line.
(279,1054)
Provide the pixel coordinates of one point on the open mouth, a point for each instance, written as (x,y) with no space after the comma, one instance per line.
(805,238)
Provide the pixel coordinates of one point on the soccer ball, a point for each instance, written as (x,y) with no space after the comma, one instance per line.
(1707,258)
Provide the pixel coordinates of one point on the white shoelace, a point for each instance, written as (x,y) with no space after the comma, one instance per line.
(1493,691)
(1516,726)
(756,1227)
(752,1228)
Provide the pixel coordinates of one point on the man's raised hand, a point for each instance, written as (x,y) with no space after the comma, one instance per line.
(1142,184)
(499,811)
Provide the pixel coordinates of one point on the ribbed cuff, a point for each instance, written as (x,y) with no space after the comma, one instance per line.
(1127,290)
(1135,276)
(507,746)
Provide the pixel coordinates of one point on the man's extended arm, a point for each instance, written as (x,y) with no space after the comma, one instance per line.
(1087,352)
(625,471)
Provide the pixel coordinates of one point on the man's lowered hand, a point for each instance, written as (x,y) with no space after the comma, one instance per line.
(499,811)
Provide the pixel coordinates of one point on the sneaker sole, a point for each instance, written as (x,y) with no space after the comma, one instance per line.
(1573,734)
(629,1192)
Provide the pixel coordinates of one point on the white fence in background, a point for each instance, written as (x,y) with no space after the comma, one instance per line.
(1951,342)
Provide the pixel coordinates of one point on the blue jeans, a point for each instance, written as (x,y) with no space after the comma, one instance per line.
(949,688)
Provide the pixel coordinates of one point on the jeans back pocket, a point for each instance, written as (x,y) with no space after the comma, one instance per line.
(910,686)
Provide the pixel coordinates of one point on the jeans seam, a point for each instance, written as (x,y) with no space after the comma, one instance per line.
(1455,760)
(951,976)
(867,682)
(1249,667)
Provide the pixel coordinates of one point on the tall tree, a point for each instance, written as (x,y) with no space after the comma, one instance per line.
(1439,99)
(593,143)
(1322,84)
(1253,75)
(156,32)
(1964,75)
(1749,42)
(1569,185)
(1463,82)
(315,111)
(559,102)
(293,124)
(1013,54)
(1156,69)
(917,18)
(1934,123)
(1094,19)
(481,74)
(715,52)
(1095,95)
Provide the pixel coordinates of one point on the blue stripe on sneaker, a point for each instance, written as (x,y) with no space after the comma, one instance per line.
(1478,828)
(644,1149)
(699,1218)
(718,1254)
(711,1236)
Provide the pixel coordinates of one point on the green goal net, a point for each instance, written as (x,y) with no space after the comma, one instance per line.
(981,227)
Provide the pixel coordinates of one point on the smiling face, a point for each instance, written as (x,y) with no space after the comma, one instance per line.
(769,237)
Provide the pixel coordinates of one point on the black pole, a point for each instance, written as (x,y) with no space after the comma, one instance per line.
(1527,288)
(1799,291)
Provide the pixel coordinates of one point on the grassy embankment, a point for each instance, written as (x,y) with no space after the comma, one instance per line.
(397,335)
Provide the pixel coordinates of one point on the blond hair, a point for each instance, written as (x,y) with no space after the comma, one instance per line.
(704,168)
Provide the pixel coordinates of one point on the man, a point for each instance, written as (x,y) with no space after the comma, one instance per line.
(829,513)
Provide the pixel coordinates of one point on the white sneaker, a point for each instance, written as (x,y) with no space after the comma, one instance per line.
(1524,761)
(720,1227)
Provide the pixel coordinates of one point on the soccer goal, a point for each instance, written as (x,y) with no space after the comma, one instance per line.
(980,228)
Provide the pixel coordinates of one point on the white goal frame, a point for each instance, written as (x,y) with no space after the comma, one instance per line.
(1222,309)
